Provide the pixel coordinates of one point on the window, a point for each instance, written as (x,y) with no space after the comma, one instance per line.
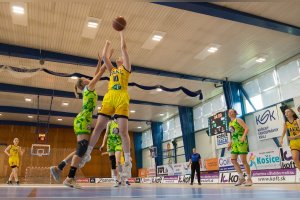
(147,140)
(202,112)
(274,86)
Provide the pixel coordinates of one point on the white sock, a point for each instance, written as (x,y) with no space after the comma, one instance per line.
(89,150)
(127,157)
(115,178)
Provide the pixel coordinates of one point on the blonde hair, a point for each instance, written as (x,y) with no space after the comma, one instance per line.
(78,85)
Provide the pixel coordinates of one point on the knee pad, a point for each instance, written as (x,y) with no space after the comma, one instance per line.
(113,161)
(81,147)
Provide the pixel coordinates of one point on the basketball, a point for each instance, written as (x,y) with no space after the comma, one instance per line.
(119,23)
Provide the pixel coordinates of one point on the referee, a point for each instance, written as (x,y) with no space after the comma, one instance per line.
(195,160)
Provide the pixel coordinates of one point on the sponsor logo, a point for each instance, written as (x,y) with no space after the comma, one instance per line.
(286,158)
(230,177)
(83,180)
(264,160)
(92,180)
(184,179)
(104,180)
(265,117)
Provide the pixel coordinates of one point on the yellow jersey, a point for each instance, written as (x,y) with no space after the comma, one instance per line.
(118,79)
(14,151)
(293,128)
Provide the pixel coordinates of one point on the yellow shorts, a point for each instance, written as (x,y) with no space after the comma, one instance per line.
(115,102)
(13,162)
(295,144)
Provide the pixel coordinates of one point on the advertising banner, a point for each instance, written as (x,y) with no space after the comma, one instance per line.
(222,140)
(225,164)
(170,179)
(268,124)
(286,158)
(274,176)
(266,159)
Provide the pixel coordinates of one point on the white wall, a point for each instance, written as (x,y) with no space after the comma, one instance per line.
(205,145)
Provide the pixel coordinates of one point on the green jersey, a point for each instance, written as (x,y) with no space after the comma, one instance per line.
(83,121)
(113,138)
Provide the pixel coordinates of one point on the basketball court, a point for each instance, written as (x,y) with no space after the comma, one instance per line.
(189,65)
(152,191)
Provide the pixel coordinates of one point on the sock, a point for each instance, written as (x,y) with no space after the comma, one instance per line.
(241,175)
(89,150)
(72,172)
(115,178)
(62,165)
(127,157)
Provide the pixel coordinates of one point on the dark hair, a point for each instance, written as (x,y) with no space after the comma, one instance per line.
(294,114)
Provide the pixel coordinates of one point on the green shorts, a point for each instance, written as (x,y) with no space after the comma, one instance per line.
(239,147)
(114,148)
(82,125)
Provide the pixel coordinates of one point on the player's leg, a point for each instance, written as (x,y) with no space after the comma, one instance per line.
(56,171)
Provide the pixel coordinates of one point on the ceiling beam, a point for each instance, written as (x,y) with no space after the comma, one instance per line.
(59,93)
(37,54)
(33,111)
(233,15)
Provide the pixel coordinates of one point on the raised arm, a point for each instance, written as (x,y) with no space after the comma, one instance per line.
(6,150)
(96,78)
(100,59)
(106,57)
(125,56)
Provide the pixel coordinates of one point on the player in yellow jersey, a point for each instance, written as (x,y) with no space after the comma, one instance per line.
(13,152)
(292,124)
(115,102)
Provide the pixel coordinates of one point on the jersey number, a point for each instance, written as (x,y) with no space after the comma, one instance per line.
(116,78)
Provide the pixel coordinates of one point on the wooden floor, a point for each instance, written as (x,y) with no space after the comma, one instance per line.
(152,191)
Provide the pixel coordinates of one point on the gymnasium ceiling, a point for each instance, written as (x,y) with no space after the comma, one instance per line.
(57,27)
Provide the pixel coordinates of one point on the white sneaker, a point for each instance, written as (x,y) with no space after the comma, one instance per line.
(127,170)
(116,184)
(56,173)
(86,158)
(240,182)
(71,182)
(248,182)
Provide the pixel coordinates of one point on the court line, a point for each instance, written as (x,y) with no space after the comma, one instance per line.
(167,195)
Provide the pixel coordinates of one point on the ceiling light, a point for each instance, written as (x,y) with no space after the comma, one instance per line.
(92,24)
(18,10)
(153,40)
(212,49)
(161,114)
(0,114)
(139,127)
(132,111)
(207,51)
(30,116)
(260,60)
(28,99)
(74,77)
(65,104)
(59,119)
(157,38)
(158,89)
